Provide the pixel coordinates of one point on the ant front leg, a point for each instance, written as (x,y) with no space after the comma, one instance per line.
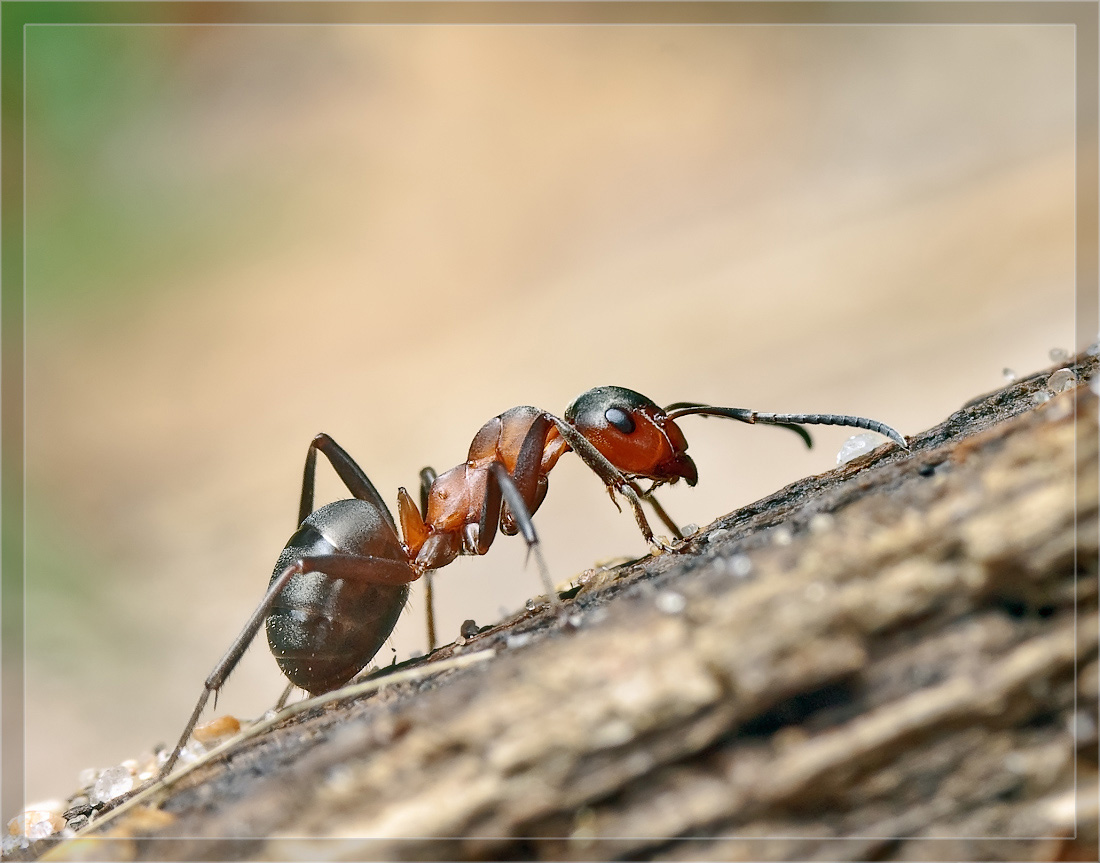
(661,514)
(613,479)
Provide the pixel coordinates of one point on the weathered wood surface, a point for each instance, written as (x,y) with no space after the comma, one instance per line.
(908,670)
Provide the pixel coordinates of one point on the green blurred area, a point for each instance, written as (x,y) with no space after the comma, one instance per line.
(85,230)
(111,225)
(107,213)
(65,601)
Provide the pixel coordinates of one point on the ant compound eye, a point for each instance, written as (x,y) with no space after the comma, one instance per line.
(620,419)
(603,406)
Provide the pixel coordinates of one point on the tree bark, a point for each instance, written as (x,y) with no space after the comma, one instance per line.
(895,660)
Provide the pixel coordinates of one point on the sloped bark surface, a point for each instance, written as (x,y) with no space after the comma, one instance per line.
(896,660)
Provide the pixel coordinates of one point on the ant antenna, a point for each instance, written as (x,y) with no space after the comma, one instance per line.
(794,422)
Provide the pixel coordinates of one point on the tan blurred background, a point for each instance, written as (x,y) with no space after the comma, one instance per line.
(241,236)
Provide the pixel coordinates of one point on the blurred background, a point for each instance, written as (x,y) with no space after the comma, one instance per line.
(240,236)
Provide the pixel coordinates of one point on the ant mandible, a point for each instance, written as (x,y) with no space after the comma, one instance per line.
(343,578)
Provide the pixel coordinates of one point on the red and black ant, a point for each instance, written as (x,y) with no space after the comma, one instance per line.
(343,578)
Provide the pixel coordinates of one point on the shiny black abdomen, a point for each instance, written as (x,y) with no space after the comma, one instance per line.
(324,630)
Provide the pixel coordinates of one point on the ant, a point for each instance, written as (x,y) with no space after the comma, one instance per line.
(343,578)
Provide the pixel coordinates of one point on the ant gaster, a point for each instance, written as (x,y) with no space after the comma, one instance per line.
(343,578)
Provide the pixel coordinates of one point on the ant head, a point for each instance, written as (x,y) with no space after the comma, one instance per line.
(632,433)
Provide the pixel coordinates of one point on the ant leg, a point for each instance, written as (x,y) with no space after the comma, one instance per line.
(429,607)
(663,516)
(346,566)
(427,477)
(490,510)
(349,472)
(529,462)
(528,475)
(612,477)
(507,488)
(523,491)
(281,703)
(508,524)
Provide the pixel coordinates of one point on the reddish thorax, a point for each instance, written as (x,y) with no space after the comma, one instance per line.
(458,498)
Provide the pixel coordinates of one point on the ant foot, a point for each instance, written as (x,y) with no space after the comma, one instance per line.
(659,544)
